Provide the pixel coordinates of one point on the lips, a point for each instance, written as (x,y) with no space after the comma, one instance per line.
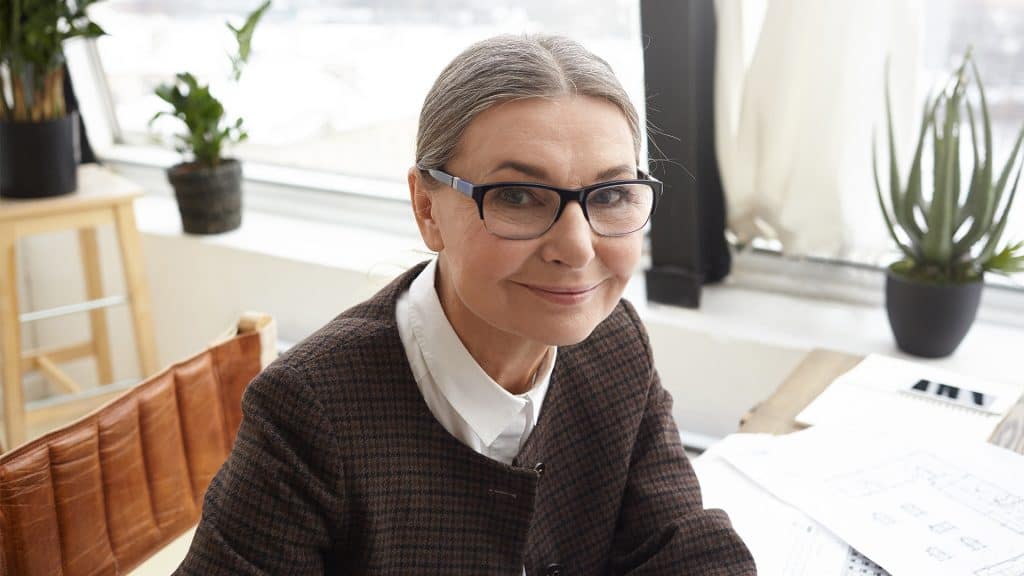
(566,295)
(563,290)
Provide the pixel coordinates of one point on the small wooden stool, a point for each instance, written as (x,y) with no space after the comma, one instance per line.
(101,197)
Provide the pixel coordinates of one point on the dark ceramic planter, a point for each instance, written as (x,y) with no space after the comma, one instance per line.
(39,159)
(209,199)
(930,320)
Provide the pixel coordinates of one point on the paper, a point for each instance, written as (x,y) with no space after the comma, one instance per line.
(912,397)
(783,540)
(912,505)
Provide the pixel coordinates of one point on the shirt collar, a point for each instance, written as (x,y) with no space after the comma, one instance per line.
(485,406)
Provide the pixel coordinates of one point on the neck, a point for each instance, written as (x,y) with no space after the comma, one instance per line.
(510,360)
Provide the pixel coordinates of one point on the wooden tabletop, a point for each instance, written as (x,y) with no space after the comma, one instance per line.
(97,186)
(777,413)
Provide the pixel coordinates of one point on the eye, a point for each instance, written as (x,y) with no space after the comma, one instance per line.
(610,196)
(511,196)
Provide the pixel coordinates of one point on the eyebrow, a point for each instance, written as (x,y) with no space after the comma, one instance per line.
(541,174)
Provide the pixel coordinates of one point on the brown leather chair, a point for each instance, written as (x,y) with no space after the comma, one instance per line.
(102,494)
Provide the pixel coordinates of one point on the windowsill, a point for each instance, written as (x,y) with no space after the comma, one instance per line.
(729,311)
(301,240)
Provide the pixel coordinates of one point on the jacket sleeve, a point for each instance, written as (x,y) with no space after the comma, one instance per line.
(663,527)
(268,509)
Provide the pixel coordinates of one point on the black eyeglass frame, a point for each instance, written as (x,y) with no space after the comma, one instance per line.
(566,195)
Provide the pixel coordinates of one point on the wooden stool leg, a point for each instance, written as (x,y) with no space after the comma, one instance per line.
(94,290)
(138,291)
(10,334)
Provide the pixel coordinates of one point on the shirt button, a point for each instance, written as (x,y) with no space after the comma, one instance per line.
(539,469)
(553,570)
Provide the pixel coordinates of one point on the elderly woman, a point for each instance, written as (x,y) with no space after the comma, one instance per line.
(496,409)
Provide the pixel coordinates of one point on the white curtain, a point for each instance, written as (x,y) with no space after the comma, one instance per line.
(795,109)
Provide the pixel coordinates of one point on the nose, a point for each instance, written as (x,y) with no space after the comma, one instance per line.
(570,241)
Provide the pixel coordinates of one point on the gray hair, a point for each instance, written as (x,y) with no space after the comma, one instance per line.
(506,68)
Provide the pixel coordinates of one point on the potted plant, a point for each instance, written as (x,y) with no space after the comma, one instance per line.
(207,186)
(951,237)
(38,138)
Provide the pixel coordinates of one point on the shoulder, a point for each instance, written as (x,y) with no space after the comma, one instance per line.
(361,343)
(344,333)
(364,334)
(344,372)
(349,350)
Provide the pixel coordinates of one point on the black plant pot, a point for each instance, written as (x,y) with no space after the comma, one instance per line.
(39,159)
(930,320)
(209,199)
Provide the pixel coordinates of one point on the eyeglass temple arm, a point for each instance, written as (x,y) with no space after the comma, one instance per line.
(646,176)
(449,180)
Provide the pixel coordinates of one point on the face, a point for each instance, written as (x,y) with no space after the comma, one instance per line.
(554,289)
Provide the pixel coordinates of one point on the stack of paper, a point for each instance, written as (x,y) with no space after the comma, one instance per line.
(783,540)
(911,504)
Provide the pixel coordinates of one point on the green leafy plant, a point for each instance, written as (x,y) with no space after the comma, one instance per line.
(203,114)
(949,237)
(32,35)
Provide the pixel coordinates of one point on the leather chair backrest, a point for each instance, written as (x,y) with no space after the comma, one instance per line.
(102,494)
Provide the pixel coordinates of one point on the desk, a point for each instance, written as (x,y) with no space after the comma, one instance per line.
(777,413)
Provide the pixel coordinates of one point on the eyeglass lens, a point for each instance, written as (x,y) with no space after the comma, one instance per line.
(521,212)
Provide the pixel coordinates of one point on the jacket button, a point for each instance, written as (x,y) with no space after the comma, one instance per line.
(539,469)
(553,570)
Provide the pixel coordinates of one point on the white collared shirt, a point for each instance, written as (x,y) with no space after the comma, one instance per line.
(464,399)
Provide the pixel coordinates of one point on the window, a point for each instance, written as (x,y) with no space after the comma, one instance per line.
(332,86)
(995,29)
(810,193)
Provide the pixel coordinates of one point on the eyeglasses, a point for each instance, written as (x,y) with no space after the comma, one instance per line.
(527,210)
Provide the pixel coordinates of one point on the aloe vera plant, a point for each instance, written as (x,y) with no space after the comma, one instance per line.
(954,235)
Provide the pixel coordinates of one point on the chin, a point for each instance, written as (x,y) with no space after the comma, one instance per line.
(558,332)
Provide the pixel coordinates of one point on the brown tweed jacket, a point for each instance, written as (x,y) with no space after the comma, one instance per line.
(339,467)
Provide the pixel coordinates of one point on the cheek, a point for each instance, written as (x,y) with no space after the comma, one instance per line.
(457,221)
(620,256)
(481,261)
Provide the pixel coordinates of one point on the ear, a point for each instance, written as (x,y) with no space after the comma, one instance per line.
(422,198)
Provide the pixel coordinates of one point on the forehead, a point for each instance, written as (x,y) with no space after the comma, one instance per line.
(572,137)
